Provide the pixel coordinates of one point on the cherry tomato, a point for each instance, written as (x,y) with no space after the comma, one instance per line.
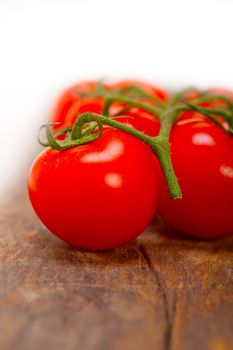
(203,161)
(99,195)
(74,101)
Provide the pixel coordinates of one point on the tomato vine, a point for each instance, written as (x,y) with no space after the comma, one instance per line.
(79,134)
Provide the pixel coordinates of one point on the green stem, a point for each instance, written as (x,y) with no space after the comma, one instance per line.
(211,113)
(131,102)
(180,95)
(169,118)
(100,90)
(90,117)
(159,145)
(61,145)
(137,92)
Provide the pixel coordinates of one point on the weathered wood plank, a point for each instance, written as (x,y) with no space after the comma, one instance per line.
(159,292)
(196,280)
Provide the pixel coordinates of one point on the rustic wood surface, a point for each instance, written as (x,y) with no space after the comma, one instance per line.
(161,292)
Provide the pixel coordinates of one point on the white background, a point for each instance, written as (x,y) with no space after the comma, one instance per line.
(46,45)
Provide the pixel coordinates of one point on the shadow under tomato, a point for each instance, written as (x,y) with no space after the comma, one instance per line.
(167,235)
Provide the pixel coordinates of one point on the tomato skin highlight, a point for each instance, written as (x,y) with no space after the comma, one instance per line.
(203,161)
(99,195)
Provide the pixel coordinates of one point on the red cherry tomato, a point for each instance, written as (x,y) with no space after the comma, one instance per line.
(203,161)
(99,195)
(74,101)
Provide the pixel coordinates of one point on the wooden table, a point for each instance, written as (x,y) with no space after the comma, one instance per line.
(160,292)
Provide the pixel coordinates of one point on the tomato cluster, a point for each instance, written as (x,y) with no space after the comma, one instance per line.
(108,172)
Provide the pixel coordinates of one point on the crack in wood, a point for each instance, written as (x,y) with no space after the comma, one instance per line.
(169,312)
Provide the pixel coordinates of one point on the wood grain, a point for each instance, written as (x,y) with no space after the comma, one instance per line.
(161,292)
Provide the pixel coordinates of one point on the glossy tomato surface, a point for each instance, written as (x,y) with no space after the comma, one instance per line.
(99,195)
(202,155)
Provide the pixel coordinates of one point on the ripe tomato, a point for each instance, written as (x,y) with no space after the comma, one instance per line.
(99,195)
(203,161)
(74,101)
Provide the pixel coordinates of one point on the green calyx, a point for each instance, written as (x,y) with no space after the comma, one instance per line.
(88,127)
